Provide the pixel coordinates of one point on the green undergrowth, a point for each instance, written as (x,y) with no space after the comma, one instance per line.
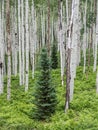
(82,115)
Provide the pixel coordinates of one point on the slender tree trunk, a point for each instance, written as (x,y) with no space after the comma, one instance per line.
(13,39)
(48,33)
(96,42)
(67,13)
(23,62)
(27,46)
(61,39)
(8,48)
(68,56)
(85,36)
(74,50)
(16,40)
(94,37)
(32,38)
(68,59)
(1,51)
(20,63)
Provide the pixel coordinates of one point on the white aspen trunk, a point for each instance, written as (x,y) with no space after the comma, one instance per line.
(32,38)
(68,56)
(1,62)
(35,42)
(23,62)
(27,46)
(43,28)
(67,18)
(67,14)
(96,42)
(87,39)
(61,43)
(3,52)
(13,39)
(20,63)
(56,31)
(58,27)
(94,37)
(52,30)
(8,49)
(4,46)
(63,46)
(16,41)
(85,36)
(79,42)
(48,28)
(1,47)
(74,46)
(35,32)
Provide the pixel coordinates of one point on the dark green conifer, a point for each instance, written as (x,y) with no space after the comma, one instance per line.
(45,95)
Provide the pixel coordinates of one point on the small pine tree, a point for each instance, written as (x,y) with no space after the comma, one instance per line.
(54,57)
(45,95)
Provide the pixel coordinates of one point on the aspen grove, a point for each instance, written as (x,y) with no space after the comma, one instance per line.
(48,64)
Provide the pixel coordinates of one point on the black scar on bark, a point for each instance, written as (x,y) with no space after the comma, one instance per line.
(1,64)
(26,72)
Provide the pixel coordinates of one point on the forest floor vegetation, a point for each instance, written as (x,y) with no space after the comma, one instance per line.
(82,115)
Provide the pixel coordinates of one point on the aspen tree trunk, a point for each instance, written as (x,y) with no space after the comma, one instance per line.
(34,42)
(58,27)
(79,41)
(94,33)
(35,32)
(13,39)
(1,46)
(52,31)
(3,49)
(20,63)
(67,14)
(96,42)
(5,45)
(68,58)
(74,47)
(61,44)
(27,46)
(32,38)
(16,40)
(8,48)
(94,37)
(48,32)
(1,61)
(85,36)
(90,45)
(61,40)
(42,29)
(23,62)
